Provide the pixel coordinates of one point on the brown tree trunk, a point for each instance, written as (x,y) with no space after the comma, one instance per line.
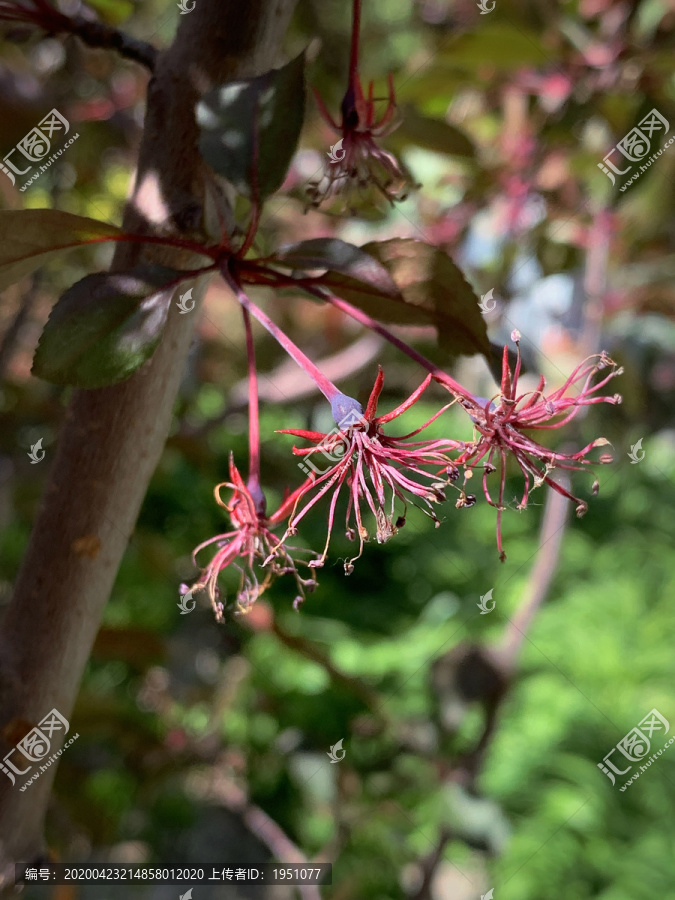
(112,438)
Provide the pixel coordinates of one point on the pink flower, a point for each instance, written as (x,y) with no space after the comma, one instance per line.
(250,547)
(501,424)
(357,161)
(372,465)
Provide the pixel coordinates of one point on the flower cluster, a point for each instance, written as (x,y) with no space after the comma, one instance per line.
(501,423)
(380,474)
(377,469)
(357,161)
(250,547)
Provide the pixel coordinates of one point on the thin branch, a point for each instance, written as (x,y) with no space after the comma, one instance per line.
(306,648)
(43,15)
(97,34)
(232,797)
(373,325)
(354,46)
(538,584)
(430,864)
(555,514)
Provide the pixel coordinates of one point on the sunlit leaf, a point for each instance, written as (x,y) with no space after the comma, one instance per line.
(29,237)
(250,128)
(105,327)
(340,258)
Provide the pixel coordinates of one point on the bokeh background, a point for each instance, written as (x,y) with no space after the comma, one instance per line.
(202,743)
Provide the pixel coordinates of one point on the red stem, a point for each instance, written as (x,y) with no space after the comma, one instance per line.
(253,417)
(354,52)
(324,384)
(261,275)
(370,323)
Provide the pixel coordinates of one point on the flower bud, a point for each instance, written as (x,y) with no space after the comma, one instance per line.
(346,411)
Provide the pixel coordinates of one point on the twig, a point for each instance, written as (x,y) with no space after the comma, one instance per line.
(539,582)
(263,826)
(430,865)
(501,662)
(96,34)
(42,14)
(301,645)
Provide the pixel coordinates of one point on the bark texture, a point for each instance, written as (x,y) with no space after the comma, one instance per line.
(112,438)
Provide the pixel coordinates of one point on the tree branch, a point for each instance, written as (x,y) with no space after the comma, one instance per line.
(369,697)
(42,14)
(216,787)
(430,865)
(545,566)
(112,438)
(98,34)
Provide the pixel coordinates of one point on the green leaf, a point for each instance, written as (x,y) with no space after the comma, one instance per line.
(364,273)
(498,46)
(28,237)
(250,128)
(431,291)
(432,134)
(105,327)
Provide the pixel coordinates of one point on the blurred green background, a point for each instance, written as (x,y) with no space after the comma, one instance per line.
(505,117)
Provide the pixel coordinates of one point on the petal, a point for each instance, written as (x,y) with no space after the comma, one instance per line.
(371,408)
(324,111)
(412,399)
(298,432)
